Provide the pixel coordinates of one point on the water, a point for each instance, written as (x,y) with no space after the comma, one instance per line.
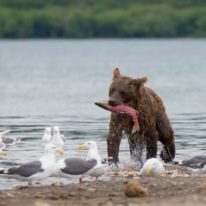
(56,82)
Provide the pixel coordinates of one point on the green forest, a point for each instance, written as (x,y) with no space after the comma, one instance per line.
(102,18)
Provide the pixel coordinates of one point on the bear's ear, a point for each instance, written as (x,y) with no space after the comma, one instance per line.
(139,82)
(116,73)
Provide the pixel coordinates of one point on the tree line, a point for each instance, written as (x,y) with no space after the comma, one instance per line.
(108,18)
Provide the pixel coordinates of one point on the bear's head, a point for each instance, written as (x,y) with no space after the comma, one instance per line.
(124,90)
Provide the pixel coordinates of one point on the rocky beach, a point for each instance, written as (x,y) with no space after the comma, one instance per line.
(177,186)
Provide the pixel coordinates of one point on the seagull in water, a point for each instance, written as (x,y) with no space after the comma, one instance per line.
(2,150)
(92,165)
(57,138)
(4,133)
(47,135)
(8,140)
(36,170)
(152,167)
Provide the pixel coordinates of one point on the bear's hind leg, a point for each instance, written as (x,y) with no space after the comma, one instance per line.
(168,153)
(166,137)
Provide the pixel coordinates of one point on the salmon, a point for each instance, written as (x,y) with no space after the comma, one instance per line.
(123,109)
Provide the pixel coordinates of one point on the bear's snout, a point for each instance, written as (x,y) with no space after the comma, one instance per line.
(112,103)
(115,99)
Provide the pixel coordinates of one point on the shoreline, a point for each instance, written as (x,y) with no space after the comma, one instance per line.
(176,187)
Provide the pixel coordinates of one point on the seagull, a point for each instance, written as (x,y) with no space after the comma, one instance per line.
(4,133)
(195,162)
(8,140)
(71,167)
(152,167)
(57,138)
(36,170)
(91,165)
(92,153)
(11,140)
(47,135)
(2,150)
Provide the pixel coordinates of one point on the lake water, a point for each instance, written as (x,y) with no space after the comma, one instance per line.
(56,82)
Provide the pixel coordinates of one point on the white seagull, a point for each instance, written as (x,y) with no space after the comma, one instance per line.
(47,135)
(93,153)
(36,170)
(57,138)
(8,140)
(4,133)
(152,167)
(91,166)
(74,167)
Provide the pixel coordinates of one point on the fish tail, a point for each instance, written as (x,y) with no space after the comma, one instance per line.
(135,129)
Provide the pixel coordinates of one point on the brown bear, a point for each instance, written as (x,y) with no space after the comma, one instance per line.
(153,120)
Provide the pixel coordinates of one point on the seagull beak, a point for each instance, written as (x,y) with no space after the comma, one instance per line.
(60,151)
(149,170)
(3,153)
(82,146)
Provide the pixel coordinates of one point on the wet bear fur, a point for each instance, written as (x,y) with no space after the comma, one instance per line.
(153,120)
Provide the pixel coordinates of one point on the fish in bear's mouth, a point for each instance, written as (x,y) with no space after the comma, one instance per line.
(123,109)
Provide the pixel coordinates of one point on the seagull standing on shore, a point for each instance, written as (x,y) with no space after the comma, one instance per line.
(91,166)
(74,167)
(57,138)
(195,162)
(47,135)
(152,167)
(36,170)
(93,153)
(8,140)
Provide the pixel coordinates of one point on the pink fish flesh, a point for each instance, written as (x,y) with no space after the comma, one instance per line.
(124,109)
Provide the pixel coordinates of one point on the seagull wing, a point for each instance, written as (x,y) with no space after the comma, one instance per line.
(2,134)
(8,140)
(63,138)
(26,170)
(77,166)
(195,162)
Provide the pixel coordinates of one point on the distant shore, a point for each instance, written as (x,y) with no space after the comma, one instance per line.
(174,188)
(102,19)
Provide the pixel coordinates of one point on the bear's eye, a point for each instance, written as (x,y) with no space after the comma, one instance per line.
(122,93)
(111,90)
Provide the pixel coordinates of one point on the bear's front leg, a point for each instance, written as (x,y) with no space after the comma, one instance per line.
(136,145)
(114,139)
(166,137)
(113,142)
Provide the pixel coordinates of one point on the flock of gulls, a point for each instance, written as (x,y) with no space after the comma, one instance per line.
(91,165)
(47,165)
